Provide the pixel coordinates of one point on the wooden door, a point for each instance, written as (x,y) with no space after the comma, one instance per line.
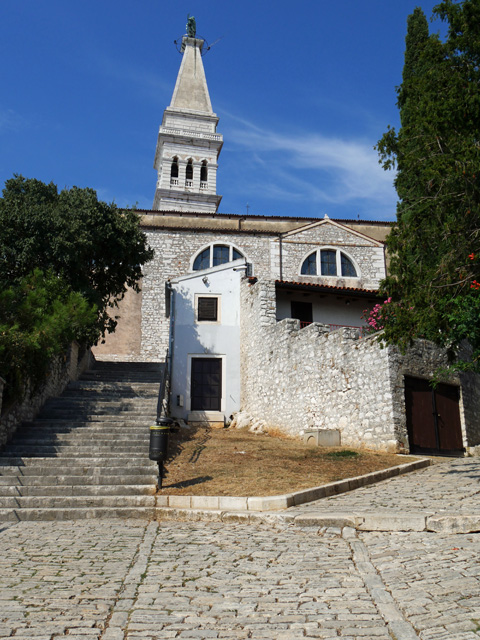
(447,399)
(433,417)
(206,391)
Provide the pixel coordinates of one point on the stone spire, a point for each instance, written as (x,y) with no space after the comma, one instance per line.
(188,145)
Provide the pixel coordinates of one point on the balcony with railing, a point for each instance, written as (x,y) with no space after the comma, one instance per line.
(174,182)
(203,185)
(188,184)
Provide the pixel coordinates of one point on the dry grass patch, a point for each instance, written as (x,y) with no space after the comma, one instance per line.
(234,462)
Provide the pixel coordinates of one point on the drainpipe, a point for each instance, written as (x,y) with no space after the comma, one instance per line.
(281,255)
(171,341)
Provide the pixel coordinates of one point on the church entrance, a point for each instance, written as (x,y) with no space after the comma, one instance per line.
(433,418)
(206,391)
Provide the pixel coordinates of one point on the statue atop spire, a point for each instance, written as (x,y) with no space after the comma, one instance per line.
(191,26)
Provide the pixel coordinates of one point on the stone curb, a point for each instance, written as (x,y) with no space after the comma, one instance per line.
(271,510)
(375,521)
(278,503)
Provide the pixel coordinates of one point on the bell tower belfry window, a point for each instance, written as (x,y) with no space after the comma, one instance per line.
(188,144)
(174,172)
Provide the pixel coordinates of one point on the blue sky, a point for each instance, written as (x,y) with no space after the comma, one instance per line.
(303,91)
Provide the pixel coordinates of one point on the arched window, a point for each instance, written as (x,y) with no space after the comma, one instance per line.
(348,270)
(189,171)
(174,168)
(328,262)
(309,266)
(203,172)
(214,255)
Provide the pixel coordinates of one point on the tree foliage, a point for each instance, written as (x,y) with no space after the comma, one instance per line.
(39,317)
(435,244)
(97,249)
(66,258)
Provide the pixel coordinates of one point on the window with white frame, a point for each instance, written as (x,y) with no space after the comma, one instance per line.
(328,262)
(214,255)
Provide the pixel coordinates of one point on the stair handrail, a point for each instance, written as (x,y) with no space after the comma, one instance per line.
(162,404)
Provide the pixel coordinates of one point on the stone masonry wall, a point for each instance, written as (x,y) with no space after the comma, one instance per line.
(173,255)
(368,256)
(174,250)
(302,378)
(62,371)
(296,379)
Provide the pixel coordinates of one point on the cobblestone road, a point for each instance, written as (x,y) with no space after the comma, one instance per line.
(135,580)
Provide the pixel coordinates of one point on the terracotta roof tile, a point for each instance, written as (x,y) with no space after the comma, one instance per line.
(329,287)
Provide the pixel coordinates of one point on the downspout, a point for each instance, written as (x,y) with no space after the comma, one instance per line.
(281,256)
(171,341)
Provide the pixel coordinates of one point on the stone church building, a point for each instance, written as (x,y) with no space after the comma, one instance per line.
(263,315)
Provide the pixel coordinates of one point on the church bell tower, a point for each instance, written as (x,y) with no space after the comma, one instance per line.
(188,144)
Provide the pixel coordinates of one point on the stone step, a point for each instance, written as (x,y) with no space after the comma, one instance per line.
(66,502)
(76,466)
(109,394)
(77,490)
(95,424)
(72,451)
(102,416)
(83,438)
(79,437)
(118,365)
(111,480)
(110,402)
(86,454)
(100,408)
(132,378)
(76,513)
(100,383)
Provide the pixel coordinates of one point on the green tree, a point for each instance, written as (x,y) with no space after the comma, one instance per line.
(96,248)
(435,245)
(39,317)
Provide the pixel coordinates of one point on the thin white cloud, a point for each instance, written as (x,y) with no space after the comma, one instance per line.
(11,120)
(324,169)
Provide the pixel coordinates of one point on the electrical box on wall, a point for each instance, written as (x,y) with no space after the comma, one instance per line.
(180,401)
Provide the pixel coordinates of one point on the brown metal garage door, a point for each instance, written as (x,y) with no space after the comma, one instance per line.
(433,417)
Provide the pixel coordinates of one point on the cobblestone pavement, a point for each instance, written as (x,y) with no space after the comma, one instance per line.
(448,487)
(132,580)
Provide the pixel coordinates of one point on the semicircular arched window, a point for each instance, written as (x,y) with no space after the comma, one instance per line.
(328,262)
(214,255)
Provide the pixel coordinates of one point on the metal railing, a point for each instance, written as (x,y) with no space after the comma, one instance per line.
(164,390)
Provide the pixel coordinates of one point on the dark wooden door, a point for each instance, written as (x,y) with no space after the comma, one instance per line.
(448,417)
(206,392)
(433,417)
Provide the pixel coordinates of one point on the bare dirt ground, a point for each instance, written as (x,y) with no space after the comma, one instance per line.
(235,462)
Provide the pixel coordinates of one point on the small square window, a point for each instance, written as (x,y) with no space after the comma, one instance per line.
(207,309)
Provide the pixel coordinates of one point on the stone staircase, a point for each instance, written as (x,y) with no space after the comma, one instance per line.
(86,454)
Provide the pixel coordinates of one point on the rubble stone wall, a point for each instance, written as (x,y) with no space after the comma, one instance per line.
(62,371)
(296,379)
